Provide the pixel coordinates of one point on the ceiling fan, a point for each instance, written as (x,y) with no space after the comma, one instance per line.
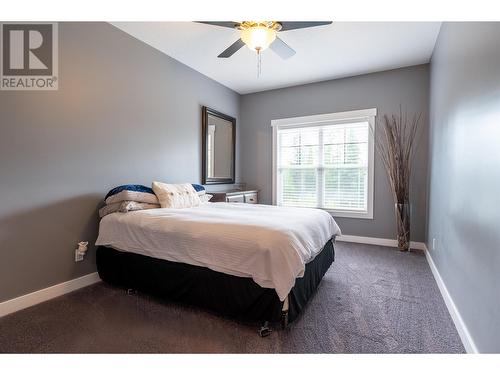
(259,35)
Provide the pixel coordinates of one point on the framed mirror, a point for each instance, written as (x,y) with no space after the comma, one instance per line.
(218,147)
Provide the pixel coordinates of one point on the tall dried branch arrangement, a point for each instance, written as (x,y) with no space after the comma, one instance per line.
(395,145)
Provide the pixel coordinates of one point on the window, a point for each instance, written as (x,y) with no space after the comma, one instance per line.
(325,161)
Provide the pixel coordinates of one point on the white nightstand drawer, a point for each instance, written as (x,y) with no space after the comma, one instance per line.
(235,196)
(251,198)
(235,199)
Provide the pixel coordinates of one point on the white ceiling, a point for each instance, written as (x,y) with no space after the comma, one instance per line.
(341,49)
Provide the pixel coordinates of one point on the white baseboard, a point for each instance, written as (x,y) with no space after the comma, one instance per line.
(378,241)
(463,332)
(43,295)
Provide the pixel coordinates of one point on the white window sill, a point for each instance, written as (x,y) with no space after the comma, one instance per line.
(338,213)
(350,214)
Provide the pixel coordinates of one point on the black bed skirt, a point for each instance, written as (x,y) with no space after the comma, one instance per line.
(231,296)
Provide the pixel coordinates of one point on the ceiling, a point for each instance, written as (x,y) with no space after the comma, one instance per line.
(341,49)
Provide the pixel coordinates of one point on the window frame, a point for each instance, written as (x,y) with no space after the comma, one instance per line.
(336,118)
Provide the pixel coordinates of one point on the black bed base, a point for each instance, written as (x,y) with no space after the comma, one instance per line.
(231,296)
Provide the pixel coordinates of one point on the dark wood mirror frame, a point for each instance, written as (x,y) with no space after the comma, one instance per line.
(205,112)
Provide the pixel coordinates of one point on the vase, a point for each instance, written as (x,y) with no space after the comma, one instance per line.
(402,211)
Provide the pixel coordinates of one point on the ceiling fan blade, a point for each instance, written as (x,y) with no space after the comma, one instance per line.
(282,49)
(285,26)
(230,24)
(232,49)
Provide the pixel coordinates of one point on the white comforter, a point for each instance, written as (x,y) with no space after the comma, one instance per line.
(270,244)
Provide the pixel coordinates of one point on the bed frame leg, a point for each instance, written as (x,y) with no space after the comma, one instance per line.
(265,330)
(284,319)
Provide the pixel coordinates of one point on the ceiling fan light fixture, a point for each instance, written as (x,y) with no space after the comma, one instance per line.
(258,37)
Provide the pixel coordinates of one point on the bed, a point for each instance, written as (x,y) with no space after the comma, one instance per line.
(254,263)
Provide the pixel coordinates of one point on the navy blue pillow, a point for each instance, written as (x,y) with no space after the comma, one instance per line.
(143,189)
(139,188)
(198,188)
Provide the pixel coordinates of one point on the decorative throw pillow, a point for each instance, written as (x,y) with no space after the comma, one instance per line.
(125,206)
(176,195)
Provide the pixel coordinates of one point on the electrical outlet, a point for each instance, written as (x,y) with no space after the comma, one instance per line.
(433,244)
(78,256)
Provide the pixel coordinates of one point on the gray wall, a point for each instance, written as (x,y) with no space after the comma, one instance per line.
(464,173)
(124,113)
(385,91)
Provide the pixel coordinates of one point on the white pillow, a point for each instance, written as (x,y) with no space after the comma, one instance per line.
(205,198)
(125,206)
(136,196)
(176,195)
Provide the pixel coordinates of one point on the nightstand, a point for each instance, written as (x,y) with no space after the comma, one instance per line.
(235,196)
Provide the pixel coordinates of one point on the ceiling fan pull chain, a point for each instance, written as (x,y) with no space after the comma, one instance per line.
(259,64)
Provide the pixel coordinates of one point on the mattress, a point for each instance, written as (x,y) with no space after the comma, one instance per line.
(270,244)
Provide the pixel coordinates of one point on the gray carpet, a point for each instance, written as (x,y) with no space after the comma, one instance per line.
(372,300)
